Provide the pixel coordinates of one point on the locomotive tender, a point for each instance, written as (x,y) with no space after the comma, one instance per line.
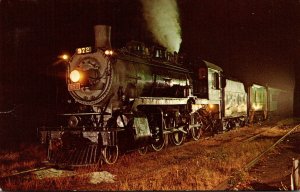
(139,98)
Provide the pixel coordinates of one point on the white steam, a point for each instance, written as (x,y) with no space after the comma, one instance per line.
(163,21)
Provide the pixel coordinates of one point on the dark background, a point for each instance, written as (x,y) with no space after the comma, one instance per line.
(256,41)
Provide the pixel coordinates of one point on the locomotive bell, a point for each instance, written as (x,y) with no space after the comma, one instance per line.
(102,36)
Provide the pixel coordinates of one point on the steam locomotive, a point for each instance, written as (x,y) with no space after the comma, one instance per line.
(136,98)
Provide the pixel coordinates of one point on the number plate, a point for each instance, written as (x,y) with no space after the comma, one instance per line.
(83,50)
(73,86)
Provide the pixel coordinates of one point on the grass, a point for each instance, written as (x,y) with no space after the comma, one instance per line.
(23,158)
(201,172)
(288,122)
(200,165)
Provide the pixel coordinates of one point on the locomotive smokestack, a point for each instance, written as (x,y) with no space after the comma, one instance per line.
(102,36)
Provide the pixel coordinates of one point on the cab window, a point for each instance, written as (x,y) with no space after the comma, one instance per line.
(215,80)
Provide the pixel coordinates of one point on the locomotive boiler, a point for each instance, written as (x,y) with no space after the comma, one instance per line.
(131,98)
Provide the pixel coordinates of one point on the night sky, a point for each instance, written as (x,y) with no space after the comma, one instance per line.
(252,40)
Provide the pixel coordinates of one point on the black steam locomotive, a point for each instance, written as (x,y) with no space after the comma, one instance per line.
(136,98)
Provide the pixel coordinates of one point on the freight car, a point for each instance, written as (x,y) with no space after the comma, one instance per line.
(141,97)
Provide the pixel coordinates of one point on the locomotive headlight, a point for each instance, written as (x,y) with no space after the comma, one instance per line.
(65,57)
(75,76)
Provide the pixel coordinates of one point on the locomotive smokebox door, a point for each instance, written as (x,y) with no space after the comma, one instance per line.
(141,128)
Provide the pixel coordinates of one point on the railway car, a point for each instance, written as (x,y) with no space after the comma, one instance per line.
(274,104)
(279,102)
(235,106)
(257,103)
(266,102)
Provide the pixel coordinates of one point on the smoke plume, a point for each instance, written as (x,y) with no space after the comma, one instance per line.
(163,21)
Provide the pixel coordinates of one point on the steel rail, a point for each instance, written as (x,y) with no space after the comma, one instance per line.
(23,172)
(254,161)
(224,184)
(257,135)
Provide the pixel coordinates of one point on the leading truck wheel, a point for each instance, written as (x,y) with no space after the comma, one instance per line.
(110,154)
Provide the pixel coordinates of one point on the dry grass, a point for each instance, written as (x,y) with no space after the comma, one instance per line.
(24,158)
(29,183)
(200,165)
(203,171)
(288,122)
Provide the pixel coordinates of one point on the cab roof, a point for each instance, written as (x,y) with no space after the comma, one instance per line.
(212,66)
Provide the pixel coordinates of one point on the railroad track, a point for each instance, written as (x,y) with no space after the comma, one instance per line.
(251,138)
(24,172)
(225,184)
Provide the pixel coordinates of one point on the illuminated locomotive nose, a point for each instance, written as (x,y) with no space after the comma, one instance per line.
(89,77)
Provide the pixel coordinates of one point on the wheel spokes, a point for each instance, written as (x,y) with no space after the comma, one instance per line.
(196,131)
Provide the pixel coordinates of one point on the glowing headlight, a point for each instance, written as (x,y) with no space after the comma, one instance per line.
(65,57)
(74,76)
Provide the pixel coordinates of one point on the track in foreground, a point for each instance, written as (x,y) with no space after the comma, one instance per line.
(225,184)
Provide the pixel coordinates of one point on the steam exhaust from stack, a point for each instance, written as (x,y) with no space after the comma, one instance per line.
(102,36)
(162,17)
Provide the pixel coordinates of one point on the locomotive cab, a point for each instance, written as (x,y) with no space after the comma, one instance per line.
(207,80)
(207,86)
